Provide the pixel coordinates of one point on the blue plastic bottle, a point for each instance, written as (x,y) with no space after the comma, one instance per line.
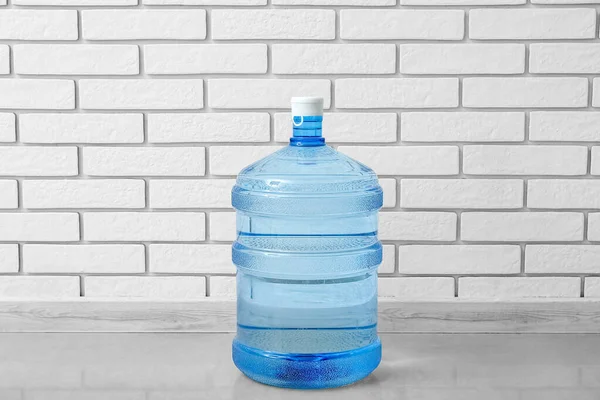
(307,255)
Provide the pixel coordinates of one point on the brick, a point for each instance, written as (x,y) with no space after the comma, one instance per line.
(143,24)
(340,127)
(462,126)
(38,25)
(388,264)
(38,161)
(460,2)
(563,193)
(222,226)
(402,24)
(594,227)
(143,226)
(199,193)
(299,24)
(565,1)
(4,60)
(49,227)
(143,161)
(461,193)
(532,23)
(229,160)
(596,96)
(47,94)
(568,58)
(84,193)
(75,2)
(8,194)
(83,258)
(191,258)
(147,287)
(595,160)
(333,58)
(518,287)
(206,2)
(568,126)
(396,92)
(525,92)
(80,59)
(463,259)
(208,127)
(205,58)
(413,226)
(9,258)
(522,226)
(462,58)
(39,287)
(562,259)
(264,93)
(7,127)
(524,160)
(126,94)
(389,192)
(406,160)
(91,393)
(592,289)
(369,3)
(416,288)
(223,287)
(81,128)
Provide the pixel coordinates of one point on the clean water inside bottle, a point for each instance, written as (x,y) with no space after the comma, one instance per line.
(323,313)
(307,255)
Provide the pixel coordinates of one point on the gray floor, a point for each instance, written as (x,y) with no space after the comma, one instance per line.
(198,366)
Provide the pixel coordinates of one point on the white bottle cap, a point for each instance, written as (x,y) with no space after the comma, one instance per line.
(307,106)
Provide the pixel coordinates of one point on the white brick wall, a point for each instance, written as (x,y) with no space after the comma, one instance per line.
(221,127)
(532,24)
(462,126)
(462,58)
(143,24)
(4,60)
(7,127)
(402,24)
(125,94)
(164,59)
(143,226)
(43,94)
(153,161)
(191,258)
(77,193)
(9,194)
(75,258)
(463,259)
(148,287)
(397,92)
(81,128)
(27,24)
(334,58)
(69,59)
(124,122)
(9,258)
(307,24)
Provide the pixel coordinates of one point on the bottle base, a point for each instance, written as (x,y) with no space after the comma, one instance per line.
(307,371)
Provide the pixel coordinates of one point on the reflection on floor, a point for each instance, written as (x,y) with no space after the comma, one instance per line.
(198,366)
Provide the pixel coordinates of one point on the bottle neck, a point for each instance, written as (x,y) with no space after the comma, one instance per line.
(307,131)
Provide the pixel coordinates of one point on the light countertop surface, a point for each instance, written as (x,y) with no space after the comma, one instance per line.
(198,366)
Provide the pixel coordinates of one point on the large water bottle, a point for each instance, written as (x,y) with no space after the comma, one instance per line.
(307,255)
